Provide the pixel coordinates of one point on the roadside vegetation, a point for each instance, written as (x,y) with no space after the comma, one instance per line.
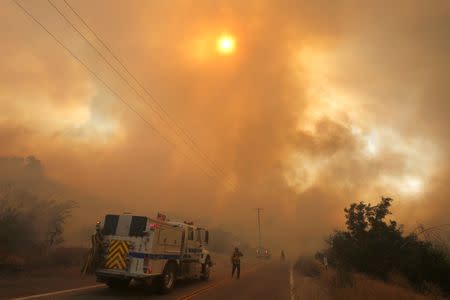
(374,249)
(337,284)
(32,221)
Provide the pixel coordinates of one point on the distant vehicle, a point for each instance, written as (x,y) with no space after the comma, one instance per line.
(263,253)
(144,249)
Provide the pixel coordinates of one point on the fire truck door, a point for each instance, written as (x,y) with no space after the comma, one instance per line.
(198,244)
(192,244)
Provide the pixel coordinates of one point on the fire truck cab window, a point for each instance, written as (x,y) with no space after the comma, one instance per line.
(137,226)
(110,224)
(199,235)
(190,234)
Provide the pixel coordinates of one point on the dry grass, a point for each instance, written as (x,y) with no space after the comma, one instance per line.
(399,280)
(64,257)
(368,289)
(11,263)
(332,284)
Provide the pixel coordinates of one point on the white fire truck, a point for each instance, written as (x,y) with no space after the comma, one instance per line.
(146,250)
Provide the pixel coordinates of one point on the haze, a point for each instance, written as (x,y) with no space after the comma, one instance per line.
(314,106)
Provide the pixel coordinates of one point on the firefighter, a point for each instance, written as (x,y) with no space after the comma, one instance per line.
(92,258)
(236,262)
(282,255)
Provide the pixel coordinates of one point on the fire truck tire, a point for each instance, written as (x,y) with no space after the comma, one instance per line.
(118,283)
(206,270)
(168,278)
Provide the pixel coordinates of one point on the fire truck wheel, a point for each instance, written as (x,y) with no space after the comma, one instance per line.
(117,283)
(206,270)
(168,278)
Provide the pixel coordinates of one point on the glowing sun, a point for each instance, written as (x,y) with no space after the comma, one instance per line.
(226,44)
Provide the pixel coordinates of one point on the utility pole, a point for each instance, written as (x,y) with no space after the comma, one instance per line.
(259,226)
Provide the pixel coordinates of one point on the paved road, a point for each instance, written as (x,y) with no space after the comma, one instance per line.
(267,282)
(262,281)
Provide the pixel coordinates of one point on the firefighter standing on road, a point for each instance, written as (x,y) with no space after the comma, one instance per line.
(236,262)
(92,258)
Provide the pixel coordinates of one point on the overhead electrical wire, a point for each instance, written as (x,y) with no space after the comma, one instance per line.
(177,126)
(102,56)
(179,131)
(169,142)
(192,143)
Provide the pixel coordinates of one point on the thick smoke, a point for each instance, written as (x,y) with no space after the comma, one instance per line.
(322,104)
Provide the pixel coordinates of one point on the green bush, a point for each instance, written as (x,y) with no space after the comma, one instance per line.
(373,246)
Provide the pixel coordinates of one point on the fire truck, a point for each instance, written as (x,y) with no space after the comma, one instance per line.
(132,247)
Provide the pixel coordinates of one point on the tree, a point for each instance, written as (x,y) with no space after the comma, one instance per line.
(16,230)
(58,213)
(29,222)
(362,218)
(377,247)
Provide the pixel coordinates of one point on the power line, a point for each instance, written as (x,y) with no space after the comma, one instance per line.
(184,131)
(170,143)
(259,227)
(179,131)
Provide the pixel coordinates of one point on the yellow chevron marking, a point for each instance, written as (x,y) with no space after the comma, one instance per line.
(117,252)
(115,257)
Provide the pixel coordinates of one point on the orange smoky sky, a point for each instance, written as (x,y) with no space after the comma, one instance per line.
(319,104)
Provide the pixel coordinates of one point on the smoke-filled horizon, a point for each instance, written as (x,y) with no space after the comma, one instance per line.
(315,106)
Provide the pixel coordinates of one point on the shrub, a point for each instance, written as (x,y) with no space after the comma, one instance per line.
(343,278)
(373,246)
(67,256)
(28,221)
(307,266)
(12,263)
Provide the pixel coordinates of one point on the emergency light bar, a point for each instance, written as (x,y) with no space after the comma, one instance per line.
(153,226)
